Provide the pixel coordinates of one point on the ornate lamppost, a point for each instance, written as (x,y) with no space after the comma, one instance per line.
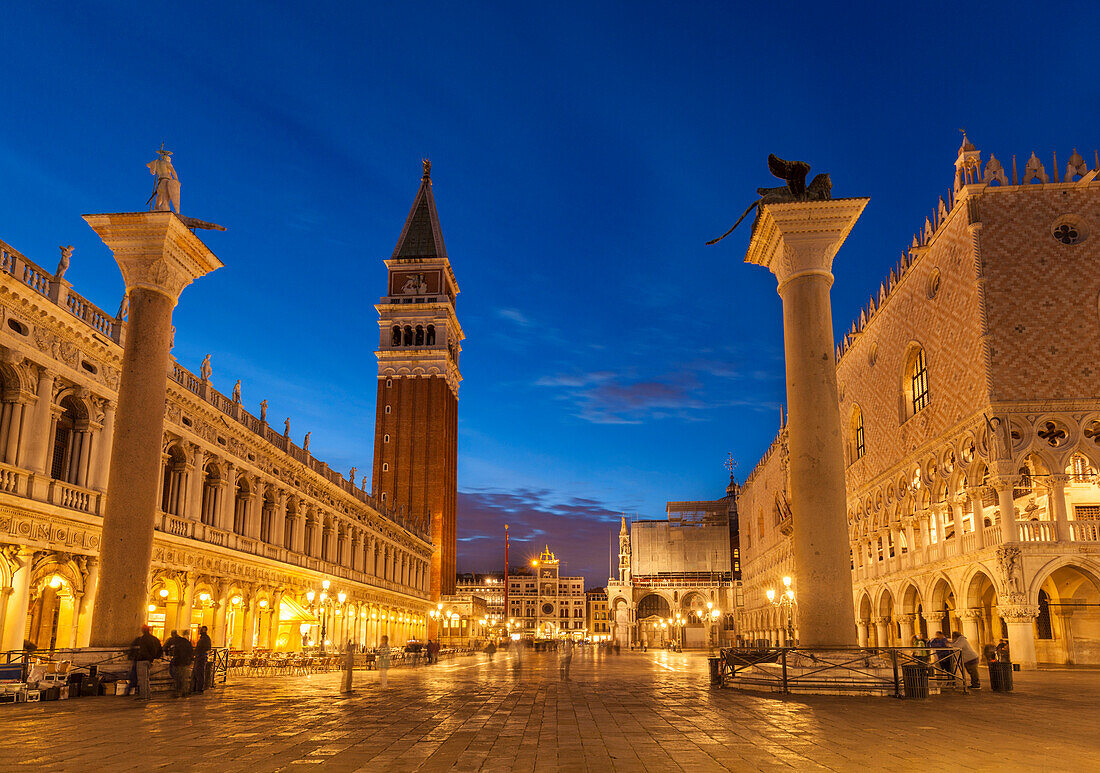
(785,600)
(324,606)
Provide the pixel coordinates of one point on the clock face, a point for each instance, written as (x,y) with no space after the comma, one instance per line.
(548,609)
(547,572)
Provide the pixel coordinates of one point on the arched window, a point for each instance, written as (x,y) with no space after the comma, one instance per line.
(240,506)
(430,340)
(173,484)
(419,341)
(408,335)
(1043,628)
(66,442)
(915,383)
(1080,469)
(210,485)
(288,525)
(325,536)
(858,447)
(310,527)
(267,515)
(396,339)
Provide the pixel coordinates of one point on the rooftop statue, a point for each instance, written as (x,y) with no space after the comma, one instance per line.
(205,370)
(63,264)
(794,173)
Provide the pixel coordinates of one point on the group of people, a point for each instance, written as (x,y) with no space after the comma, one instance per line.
(941,647)
(187,662)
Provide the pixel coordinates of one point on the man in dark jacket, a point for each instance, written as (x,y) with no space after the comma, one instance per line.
(182,654)
(202,650)
(144,650)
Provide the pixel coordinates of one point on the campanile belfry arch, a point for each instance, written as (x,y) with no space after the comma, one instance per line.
(416,426)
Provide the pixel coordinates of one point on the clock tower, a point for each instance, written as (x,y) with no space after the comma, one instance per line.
(416,428)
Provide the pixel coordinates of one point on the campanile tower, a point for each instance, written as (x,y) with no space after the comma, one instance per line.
(416,428)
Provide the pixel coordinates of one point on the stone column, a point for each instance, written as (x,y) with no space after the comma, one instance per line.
(15,621)
(158,256)
(1020,621)
(38,443)
(970,628)
(87,603)
(797,241)
(976,494)
(906,622)
(1008,510)
(187,606)
(248,627)
(102,460)
(882,631)
(1056,497)
(934,621)
(74,629)
(195,485)
(862,632)
(218,634)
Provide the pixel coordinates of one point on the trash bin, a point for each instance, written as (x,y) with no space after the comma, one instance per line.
(715,671)
(914,677)
(1000,676)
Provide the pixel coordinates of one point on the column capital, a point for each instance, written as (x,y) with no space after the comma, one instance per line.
(801,238)
(969,614)
(154,250)
(1003,483)
(1057,480)
(1023,613)
(880,620)
(908,619)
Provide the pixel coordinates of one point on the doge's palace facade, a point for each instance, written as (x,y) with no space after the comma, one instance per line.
(970,389)
(252,529)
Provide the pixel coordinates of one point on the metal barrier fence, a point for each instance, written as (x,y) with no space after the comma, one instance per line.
(888,670)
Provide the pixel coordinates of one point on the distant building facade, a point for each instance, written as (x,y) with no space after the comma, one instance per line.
(678,579)
(598,626)
(969,386)
(545,605)
(490,587)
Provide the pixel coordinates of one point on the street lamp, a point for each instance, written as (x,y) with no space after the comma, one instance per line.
(785,599)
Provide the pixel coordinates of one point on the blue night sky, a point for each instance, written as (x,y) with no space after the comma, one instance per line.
(582,155)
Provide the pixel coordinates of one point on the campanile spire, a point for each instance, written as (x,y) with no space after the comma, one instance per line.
(416,426)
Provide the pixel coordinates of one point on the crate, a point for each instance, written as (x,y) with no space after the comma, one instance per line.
(34,696)
(120,687)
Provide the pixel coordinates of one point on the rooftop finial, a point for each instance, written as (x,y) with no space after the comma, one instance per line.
(427,169)
(967,146)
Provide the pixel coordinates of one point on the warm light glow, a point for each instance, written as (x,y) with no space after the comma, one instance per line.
(363,614)
(341,596)
(235,600)
(790,594)
(710,605)
(152,607)
(534,563)
(325,584)
(787,581)
(373,615)
(204,597)
(323,597)
(55,582)
(303,628)
(771,594)
(164,593)
(263,603)
(339,611)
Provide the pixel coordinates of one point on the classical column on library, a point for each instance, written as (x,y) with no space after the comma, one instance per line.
(797,240)
(159,256)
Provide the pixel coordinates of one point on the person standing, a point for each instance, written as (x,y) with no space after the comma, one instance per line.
(145,649)
(382,653)
(490,650)
(183,655)
(202,652)
(969,658)
(349,666)
(941,649)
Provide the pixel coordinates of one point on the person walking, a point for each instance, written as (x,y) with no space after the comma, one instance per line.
(144,650)
(382,655)
(349,666)
(565,659)
(202,652)
(490,650)
(182,655)
(969,658)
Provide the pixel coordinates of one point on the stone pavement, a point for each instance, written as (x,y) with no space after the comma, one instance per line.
(632,712)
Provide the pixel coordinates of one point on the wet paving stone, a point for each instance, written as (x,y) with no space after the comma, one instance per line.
(632,712)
